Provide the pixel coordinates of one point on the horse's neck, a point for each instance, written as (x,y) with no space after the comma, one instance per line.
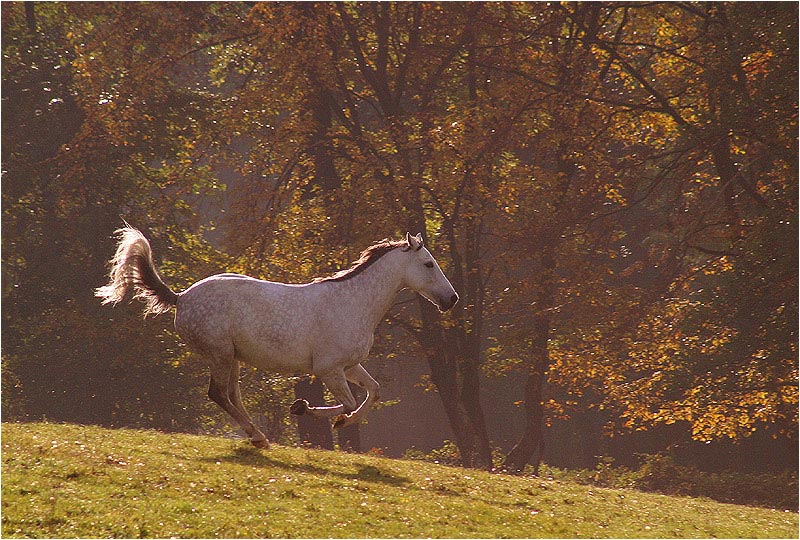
(371,293)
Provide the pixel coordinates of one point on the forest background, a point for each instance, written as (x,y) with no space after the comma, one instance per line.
(610,187)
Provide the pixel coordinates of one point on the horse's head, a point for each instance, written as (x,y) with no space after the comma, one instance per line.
(422,274)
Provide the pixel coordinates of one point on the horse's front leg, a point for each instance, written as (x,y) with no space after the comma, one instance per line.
(337,383)
(358,375)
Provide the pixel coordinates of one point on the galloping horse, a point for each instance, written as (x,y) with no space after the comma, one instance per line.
(325,327)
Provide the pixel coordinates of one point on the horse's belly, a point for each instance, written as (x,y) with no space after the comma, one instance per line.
(274,357)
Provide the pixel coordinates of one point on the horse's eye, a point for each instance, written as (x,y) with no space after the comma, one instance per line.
(429,264)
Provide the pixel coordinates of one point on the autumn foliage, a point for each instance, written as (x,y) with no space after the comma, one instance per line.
(611,188)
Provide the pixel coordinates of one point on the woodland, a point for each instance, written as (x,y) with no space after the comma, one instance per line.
(611,187)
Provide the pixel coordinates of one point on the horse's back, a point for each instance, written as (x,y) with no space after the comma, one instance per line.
(262,322)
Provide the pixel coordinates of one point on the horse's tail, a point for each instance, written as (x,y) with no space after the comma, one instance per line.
(132,268)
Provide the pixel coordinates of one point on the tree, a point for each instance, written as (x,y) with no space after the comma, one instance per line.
(694,353)
(66,357)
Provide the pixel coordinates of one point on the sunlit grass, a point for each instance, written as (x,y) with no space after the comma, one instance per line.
(81,481)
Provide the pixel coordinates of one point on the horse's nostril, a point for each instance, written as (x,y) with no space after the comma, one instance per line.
(453,299)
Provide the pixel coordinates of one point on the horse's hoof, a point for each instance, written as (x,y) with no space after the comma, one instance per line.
(299,407)
(261,443)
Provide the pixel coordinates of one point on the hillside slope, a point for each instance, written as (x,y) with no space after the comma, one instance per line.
(63,480)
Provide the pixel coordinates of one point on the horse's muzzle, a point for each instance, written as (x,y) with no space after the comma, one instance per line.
(445,305)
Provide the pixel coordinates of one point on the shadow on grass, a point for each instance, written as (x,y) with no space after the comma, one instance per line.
(244,455)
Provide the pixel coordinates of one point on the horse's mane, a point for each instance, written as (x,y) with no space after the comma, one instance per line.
(365,260)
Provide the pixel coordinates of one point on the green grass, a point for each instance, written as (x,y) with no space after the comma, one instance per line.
(68,481)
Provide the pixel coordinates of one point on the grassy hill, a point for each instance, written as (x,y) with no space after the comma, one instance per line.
(80,481)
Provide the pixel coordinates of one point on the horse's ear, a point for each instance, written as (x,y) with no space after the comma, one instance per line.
(414,242)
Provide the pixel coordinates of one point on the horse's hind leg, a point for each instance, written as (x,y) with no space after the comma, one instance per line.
(301,407)
(219,392)
(235,396)
(337,384)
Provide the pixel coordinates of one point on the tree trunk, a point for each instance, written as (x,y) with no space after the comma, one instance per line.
(457,382)
(470,397)
(30,17)
(530,447)
(468,333)
(444,375)
(455,375)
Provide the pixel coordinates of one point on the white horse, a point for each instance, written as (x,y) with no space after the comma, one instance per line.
(325,327)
